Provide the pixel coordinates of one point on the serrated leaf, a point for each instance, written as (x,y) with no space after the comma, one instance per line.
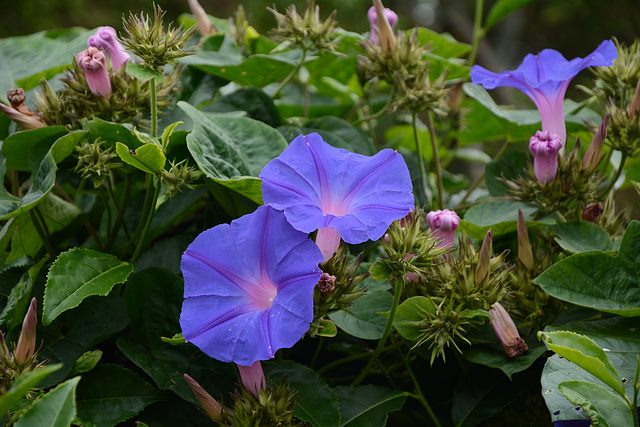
(78,274)
(368,405)
(143,73)
(597,280)
(23,385)
(584,352)
(605,409)
(55,409)
(148,158)
(110,394)
(317,403)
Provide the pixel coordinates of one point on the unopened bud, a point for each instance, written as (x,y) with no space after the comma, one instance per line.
(106,39)
(391,16)
(506,331)
(24,120)
(592,156)
(93,62)
(327,283)
(385,30)
(443,224)
(525,254)
(635,103)
(252,377)
(27,342)
(210,405)
(545,146)
(484,258)
(204,24)
(592,211)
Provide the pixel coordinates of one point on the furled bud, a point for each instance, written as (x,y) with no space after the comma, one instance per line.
(106,39)
(591,158)
(204,24)
(635,103)
(24,120)
(210,405)
(484,258)
(385,28)
(391,16)
(252,377)
(27,342)
(545,146)
(443,224)
(506,331)
(93,62)
(328,241)
(525,255)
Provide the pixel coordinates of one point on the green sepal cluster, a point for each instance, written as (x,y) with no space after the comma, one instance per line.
(307,32)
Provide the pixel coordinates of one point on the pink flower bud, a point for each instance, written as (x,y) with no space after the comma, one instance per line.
(204,24)
(24,120)
(328,240)
(591,158)
(389,16)
(106,39)
(443,224)
(93,62)
(506,331)
(252,377)
(27,342)
(209,404)
(545,146)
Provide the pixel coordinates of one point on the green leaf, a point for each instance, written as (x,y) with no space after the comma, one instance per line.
(501,9)
(368,405)
(20,297)
(597,280)
(510,165)
(442,44)
(410,313)
(56,408)
(148,158)
(317,403)
(23,385)
(25,150)
(86,362)
(617,336)
(327,329)
(380,271)
(255,102)
(363,319)
(499,216)
(110,394)
(110,133)
(168,131)
(78,274)
(176,339)
(233,150)
(582,236)
(143,73)
(584,352)
(603,407)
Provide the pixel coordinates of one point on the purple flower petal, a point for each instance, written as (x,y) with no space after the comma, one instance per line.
(545,78)
(319,186)
(249,287)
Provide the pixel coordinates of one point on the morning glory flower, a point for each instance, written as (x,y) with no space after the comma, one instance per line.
(93,62)
(545,78)
(391,16)
(106,39)
(248,287)
(443,224)
(338,193)
(545,147)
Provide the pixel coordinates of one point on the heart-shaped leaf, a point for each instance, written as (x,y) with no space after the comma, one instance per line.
(78,274)
(148,158)
(597,280)
(143,73)
(582,236)
(363,320)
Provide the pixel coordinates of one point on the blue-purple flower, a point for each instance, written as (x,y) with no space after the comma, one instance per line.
(545,147)
(106,39)
(544,78)
(248,287)
(324,188)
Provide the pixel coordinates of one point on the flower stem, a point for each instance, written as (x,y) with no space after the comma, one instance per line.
(623,160)
(397,290)
(154,107)
(123,203)
(436,159)
(348,359)
(379,113)
(152,211)
(290,75)
(477,182)
(43,236)
(478,33)
(423,172)
(418,395)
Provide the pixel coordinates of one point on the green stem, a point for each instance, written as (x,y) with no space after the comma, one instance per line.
(397,290)
(121,208)
(379,113)
(154,107)
(152,211)
(436,159)
(423,172)
(477,182)
(418,395)
(478,33)
(348,359)
(290,75)
(105,200)
(623,160)
(43,236)
(317,352)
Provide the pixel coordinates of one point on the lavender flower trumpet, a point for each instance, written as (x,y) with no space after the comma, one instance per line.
(443,224)
(392,19)
(106,39)
(340,194)
(93,62)
(506,331)
(545,147)
(545,78)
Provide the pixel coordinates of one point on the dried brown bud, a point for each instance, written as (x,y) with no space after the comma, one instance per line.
(327,283)
(592,211)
